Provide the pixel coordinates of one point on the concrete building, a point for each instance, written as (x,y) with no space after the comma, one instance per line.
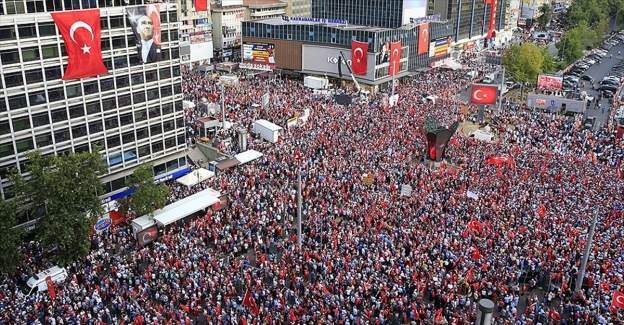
(195,33)
(378,13)
(264,9)
(227,16)
(133,113)
(298,8)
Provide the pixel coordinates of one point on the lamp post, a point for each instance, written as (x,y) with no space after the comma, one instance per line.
(588,246)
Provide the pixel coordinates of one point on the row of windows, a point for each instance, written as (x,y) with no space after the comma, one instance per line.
(159,169)
(38,97)
(12,56)
(383,13)
(59,115)
(26,31)
(11,7)
(93,128)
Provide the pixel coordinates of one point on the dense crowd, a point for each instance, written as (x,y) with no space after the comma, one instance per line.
(469,230)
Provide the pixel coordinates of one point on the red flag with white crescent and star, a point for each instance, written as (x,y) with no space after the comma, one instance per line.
(483,94)
(395,58)
(618,300)
(359,62)
(423,38)
(81,33)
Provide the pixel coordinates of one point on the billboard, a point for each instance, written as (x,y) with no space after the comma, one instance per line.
(439,47)
(413,9)
(324,60)
(258,53)
(145,24)
(546,82)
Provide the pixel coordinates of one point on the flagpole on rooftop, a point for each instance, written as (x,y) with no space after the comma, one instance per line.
(588,246)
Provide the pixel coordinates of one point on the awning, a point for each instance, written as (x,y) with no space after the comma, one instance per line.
(195,177)
(247,156)
(185,207)
(226,164)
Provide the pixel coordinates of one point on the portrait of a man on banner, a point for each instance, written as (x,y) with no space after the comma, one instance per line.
(145,24)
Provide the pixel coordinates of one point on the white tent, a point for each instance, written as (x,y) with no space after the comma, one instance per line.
(185,207)
(247,156)
(195,177)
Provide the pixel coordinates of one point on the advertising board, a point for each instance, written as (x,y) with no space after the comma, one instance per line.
(324,60)
(258,53)
(547,82)
(413,9)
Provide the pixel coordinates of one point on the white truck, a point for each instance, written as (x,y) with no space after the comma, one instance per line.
(38,282)
(267,130)
(315,82)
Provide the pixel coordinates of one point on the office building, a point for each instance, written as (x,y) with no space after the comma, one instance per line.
(227,16)
(264,9)
(378,13)
(299,8)
(196,45)
(133,113)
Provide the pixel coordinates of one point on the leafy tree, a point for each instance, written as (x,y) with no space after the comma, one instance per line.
(545,16)
(66,188)
(9,238)
(577,39)
(524,62)
(147,196)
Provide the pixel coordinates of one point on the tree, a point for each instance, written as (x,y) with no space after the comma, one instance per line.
(576,40)
(524,62)
(9,238)
(148,196)
(545,16)
(66,188)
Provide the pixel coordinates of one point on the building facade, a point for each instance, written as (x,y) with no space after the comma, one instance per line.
(379,13)
(226,28)
(133,114)
(264,9)
(299,8)
(195,33)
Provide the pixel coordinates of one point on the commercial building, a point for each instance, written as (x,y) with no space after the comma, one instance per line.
(227,16)
(298,8)
(264,9)
(379,13)
(195,33)
(133,113)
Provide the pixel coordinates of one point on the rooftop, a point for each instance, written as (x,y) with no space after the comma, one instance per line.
(281,21)
(264,4)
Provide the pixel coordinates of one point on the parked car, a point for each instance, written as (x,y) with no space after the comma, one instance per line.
(589,123)
(587,78)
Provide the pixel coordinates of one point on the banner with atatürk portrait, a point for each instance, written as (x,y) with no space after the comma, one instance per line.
(145,24)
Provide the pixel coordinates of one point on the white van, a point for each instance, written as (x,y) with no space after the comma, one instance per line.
(57,275)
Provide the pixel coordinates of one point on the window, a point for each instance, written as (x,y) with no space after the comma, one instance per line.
(17,101)
(46,29)
(163,17)
(21,123)
(157,147)
(151,75)
(175,53)
(167,108)
(160,169)
(143,151)
(90,87)
(179,122)
(61,135)
(9,56)
(24,145)
(122,81)
(13,79)
(7,33)
(111,123)
(176,71)
(116,22)
(156,129)
(118,184)
(49,51)
(137,78)
(173,17)
(34,76)
(56,94)
(170,143)
(178,106)
(43,140)
(153,94)
(107,84)
(105,44)
(5,128)
(172,164)
(165,73)
(165,91)
(27,31)
(112,141)
(109,104)
(126,119)
(81,148)
(76,111)
(164,37)
(52,73)
(35,6)
(181,139)
(140,115)
(30,54)
(73,91)
(168,125)
(120,62)
(154,112)
(40,119)
(177,88)
(142,133)
(6,149)
(95,127)
(93,107)
(127,137)
(59,115)
(119,42)
(139,97)
(124,100)
(79,131)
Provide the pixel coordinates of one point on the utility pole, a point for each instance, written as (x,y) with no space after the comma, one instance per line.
(299,203)
(223,105)
(500,97)
(588,246)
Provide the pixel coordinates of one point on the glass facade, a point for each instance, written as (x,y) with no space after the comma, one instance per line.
(132,114)
(380,13)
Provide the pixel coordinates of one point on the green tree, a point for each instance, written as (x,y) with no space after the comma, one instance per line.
(10,238)
(66,188)
(576,40)
(545,15)
(148,196)
(524,62)
(549,65)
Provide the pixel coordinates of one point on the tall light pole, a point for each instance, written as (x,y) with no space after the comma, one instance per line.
(588,246)
(299,203)
(223,105)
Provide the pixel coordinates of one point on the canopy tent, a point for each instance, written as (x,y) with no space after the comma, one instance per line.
(195,177)
(227,164)
(247,156)
(451,65)
(185,207)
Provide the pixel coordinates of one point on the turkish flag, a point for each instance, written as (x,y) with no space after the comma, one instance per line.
(250,302)
(201,5)
(395,58)
(476,255)
(483,94)
(618,300)
(81,33)
(359,62)
(51,289)
(423,38)
(492,22)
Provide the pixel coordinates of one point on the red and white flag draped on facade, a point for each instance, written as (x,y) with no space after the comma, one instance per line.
(81,33)
(395,58)
(359,57)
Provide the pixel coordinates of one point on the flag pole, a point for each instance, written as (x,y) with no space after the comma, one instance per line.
(223,105)
(588,246)
(299,203)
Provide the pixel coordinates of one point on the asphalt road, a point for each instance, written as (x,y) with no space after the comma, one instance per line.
(597,72)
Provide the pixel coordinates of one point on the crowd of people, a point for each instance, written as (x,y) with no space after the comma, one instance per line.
(513,233)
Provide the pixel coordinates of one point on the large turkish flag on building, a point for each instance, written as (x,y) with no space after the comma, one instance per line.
(395,58)
(359,62)
(492,22)
(423,39)
(201,5)
(81,33)
(483,94)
